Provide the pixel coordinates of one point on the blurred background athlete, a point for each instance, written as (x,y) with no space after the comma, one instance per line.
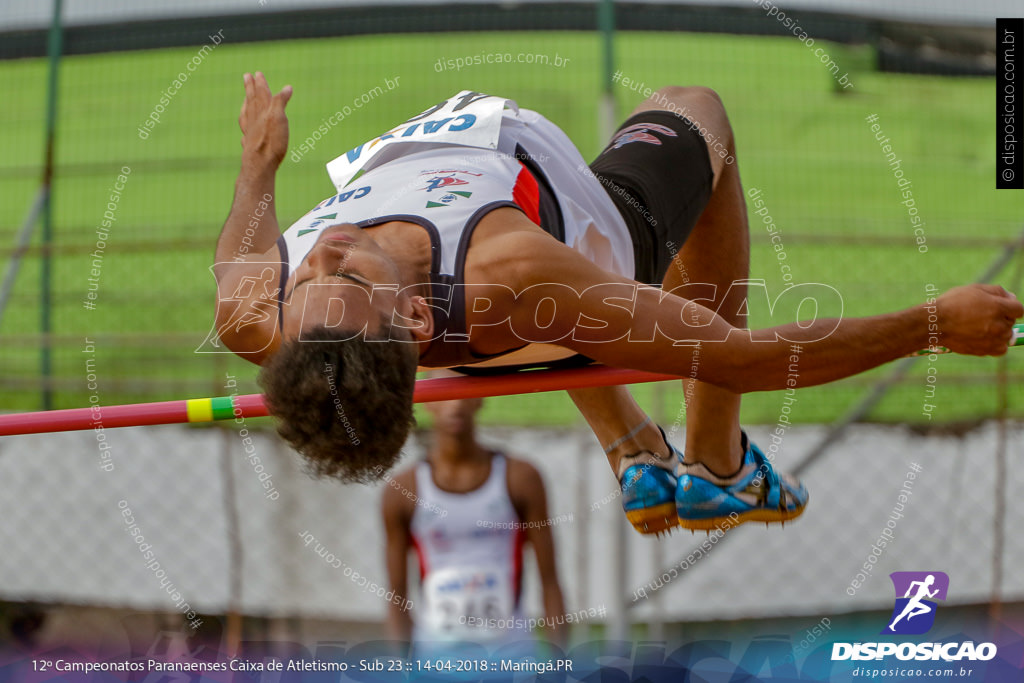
(468,511)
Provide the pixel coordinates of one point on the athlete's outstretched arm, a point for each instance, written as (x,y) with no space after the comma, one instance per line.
(251,228)
(641,329)
(910,588)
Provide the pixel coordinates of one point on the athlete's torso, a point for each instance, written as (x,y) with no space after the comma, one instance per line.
(470,551)
(442,173)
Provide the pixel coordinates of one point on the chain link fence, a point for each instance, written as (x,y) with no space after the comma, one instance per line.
(181,524)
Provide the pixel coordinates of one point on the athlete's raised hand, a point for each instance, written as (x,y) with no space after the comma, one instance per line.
(977,319)
(263,121)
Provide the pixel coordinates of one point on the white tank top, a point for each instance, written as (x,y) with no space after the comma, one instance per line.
(470,550)
(444,170)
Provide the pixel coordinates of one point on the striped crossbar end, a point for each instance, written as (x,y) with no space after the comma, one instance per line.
(210,409)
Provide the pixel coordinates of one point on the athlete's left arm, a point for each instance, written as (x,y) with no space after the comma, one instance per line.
(251,227)
(526,488)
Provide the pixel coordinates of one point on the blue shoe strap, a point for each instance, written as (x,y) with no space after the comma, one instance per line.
(767,473)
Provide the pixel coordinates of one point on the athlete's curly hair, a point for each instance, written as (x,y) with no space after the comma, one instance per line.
(344,404)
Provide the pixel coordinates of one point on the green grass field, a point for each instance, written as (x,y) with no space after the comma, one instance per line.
(806,146)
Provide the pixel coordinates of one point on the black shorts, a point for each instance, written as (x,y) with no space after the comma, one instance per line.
(657,172)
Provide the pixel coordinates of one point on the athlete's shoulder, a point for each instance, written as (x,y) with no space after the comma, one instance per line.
(404,478)
(399,497)
(502,239)
(522,475)
(525,487)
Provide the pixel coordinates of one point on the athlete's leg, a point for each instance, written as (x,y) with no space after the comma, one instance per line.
(902,614)
(642,461)
(720,255)
(621,426)
(726,479)
(716,252)
(917,610)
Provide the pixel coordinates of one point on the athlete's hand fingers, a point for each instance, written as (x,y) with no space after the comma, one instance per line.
(1006,302)
(262,89)
(978,319)
(1000,336)
(281,99)
(1012,307)
(247,83)
(998,290)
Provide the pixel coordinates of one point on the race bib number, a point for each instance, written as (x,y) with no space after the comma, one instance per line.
(470,603)
(470,118)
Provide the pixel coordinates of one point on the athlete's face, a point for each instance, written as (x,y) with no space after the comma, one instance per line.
(346,281)
(454,418)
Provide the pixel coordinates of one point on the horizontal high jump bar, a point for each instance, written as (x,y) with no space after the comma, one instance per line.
(427,390)
(251,405)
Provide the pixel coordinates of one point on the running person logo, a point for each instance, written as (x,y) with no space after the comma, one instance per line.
(439,182)
(641,132)
(443,183)
(914,612)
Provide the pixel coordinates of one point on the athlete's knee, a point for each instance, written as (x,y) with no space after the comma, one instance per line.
(702,106)
(702,92)
(690,93)
(671,92)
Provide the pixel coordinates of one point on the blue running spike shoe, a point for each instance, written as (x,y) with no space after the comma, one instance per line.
(648,484)
(757,493)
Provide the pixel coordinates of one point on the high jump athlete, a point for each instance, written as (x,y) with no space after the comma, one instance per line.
(476,235)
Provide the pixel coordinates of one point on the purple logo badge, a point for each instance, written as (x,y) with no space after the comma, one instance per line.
(916,593)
